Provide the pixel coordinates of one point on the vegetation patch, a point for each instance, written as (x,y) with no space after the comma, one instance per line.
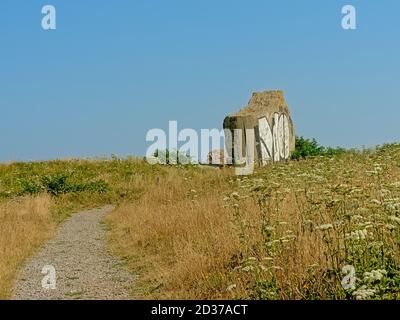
(293,230)
(306,148)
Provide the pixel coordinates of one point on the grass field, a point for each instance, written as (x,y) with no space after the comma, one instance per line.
(285,232)
(36,197)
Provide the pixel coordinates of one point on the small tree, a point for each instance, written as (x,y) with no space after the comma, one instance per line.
(310,148)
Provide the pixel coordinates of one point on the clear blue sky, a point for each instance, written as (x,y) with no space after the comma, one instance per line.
(115,69)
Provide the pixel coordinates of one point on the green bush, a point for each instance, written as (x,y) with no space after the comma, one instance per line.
(56,184)
(30,187)
(60,183)
(306,148)
(99,186)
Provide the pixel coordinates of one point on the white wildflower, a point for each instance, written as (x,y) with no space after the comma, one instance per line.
(365,225)
(374,275)
(363,293)
(384,191)
(235,195)
(395,219)
(277,268)
(263,268)
(357,235)
(288,238)
(231,287)
(390,226)
(248,268)
(308,222)
(375,244)
(356,217)
(375,201)
(325,226)
(271,243)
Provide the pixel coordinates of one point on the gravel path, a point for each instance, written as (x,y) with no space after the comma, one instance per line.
(84,268)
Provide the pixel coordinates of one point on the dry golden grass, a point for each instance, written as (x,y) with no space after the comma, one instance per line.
(175,230)
(36,196)
(284,233)
(24,224)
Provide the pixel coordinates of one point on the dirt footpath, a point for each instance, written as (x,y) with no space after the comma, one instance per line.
(84,269)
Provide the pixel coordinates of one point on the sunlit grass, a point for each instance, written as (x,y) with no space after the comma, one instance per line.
(285,232)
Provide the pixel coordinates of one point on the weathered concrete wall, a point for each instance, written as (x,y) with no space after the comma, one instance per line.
(268,115)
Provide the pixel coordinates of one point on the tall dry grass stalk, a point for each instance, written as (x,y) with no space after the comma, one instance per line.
(24,224)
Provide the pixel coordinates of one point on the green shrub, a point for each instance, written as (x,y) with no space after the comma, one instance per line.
(60,183)
(30,187)
(306,148)
(56,184)
(99,186)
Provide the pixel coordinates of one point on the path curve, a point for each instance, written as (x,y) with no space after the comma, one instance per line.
(84,268)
